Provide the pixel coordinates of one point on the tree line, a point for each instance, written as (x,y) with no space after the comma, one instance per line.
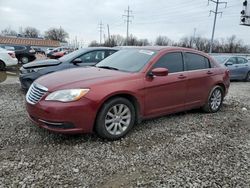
(58,34)
(224,45)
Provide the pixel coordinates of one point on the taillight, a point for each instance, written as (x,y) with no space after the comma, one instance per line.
(12,54)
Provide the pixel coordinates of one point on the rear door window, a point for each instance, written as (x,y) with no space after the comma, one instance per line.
(93,57)
(196,62)
(242,60)
(109,52)
(171,61)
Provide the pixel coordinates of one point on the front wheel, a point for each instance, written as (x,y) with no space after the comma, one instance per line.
(115,119)
(24,60)
(214,100)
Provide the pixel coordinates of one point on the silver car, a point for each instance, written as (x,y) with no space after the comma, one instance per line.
(239,67)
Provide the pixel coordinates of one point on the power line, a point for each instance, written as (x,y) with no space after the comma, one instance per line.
(101,31)
(128,21)
(216,12)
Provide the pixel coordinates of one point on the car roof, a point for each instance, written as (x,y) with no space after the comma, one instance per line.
(156,48)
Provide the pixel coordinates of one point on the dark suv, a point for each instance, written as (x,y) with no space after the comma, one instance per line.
(24,54)
(83,57)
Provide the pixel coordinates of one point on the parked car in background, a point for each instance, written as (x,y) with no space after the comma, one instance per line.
(57,55)
(24,54)
(39,50)
(239,67)
(49,50)
(7,59)
(56,50)
(128,86)
(83,57)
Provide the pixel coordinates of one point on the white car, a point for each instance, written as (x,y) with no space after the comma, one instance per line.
(7,58)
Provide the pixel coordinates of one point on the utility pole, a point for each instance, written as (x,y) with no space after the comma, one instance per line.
(128,20)
(108,34)
(193,39)
(100,30)
(217,2)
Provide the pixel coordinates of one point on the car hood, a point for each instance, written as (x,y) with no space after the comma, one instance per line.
(42,63)
(84,77)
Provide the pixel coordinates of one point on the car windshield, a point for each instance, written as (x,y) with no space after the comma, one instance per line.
(128,60)
(220,59)
(71,55)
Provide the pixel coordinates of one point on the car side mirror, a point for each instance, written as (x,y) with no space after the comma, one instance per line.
(228,63)
(77,60)
(159,72)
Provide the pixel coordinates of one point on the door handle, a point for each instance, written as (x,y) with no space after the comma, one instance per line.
(182,76)
(209,72)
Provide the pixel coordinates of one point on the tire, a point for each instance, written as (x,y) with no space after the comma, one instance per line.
(115,119)
(24,60)
(247,79)
(214,101)
(2,66)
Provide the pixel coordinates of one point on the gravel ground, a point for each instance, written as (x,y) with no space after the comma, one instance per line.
(190,149)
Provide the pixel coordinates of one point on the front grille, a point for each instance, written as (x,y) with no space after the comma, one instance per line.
(35,93)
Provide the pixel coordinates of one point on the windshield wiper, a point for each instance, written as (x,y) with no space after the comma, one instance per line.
(108,67)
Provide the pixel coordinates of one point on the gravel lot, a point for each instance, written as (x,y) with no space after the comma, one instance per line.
(191,149)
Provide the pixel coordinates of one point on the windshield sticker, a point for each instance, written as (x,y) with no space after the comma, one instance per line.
(147,52)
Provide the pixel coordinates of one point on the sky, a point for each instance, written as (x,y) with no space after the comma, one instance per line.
(80,18)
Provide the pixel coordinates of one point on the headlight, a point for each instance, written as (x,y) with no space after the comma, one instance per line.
(67,95)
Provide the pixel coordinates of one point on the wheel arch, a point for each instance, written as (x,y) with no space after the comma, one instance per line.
(132,98)
(3,62)
(223,87)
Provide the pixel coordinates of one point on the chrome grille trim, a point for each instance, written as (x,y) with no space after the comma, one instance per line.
(35,93)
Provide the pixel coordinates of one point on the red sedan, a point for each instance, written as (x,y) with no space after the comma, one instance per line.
(129,86)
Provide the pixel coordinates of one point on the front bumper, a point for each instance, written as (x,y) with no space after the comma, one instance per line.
(27,79)
(68,118)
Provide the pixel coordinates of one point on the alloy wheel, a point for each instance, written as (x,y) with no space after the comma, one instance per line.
(216,99)
(118,119)
(24,60)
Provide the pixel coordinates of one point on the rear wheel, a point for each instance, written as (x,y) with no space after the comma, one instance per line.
(24,60)
(214,100)
(247,79)
(2,66)
(115,119)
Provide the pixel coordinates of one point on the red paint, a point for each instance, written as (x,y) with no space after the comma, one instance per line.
(156,96)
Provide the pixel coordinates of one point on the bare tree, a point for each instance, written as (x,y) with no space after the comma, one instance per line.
(115,40)
(163,41)
(8,32)
(56,34)
(30,32)
(186,42)
(94,43)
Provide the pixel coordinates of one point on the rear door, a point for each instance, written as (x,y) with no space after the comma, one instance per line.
(91,58)
(200,79)
(243,67)
(166,94)
(232,66)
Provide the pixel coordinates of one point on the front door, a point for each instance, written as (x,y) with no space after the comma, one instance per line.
(166,94)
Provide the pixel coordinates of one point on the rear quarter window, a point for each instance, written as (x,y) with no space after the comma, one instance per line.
(196,62)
